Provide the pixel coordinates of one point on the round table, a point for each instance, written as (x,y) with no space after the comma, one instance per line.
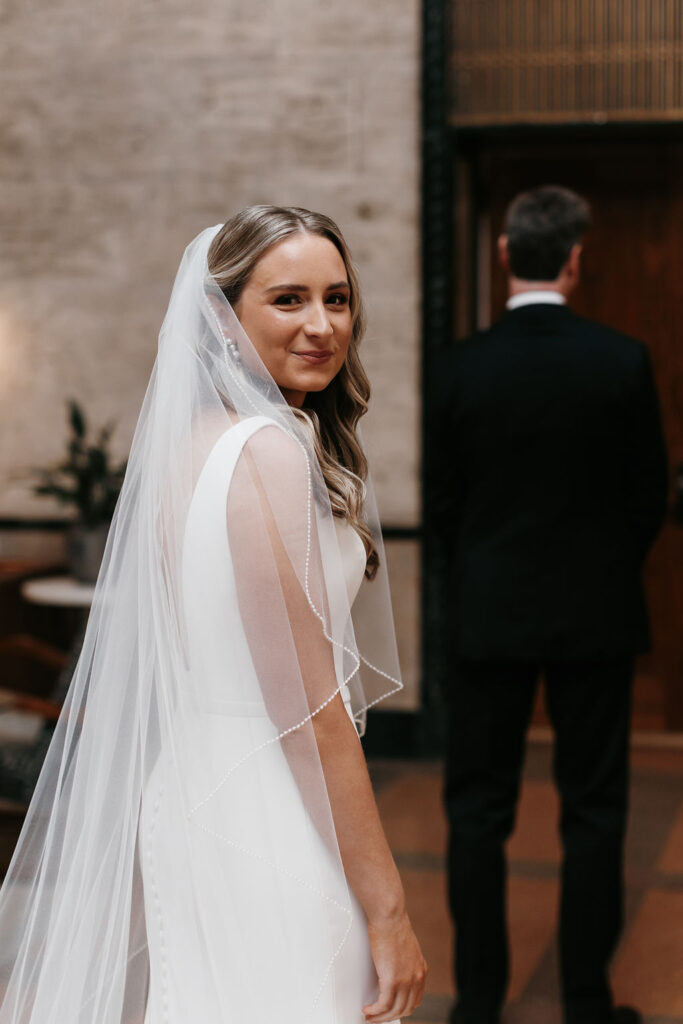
(62,591)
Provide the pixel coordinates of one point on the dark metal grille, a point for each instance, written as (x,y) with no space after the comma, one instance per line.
(582,61)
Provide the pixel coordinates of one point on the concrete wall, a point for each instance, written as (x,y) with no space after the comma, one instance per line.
(127,128)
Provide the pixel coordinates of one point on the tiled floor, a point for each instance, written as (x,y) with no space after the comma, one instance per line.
(648,968)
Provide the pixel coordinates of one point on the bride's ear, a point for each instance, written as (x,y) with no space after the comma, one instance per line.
(219,310)
(225,317)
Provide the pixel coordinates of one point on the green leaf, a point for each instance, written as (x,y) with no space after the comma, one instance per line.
(77,419)
(84,478)
(97,462)
(62,494)
(105,435)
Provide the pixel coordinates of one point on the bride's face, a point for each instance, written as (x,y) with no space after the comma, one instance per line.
(295,310)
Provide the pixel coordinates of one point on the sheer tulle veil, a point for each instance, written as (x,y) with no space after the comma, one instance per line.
(74,944)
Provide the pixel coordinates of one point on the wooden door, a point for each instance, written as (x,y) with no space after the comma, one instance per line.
(633,281)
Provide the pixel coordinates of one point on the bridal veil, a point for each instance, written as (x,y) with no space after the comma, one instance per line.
(74,943)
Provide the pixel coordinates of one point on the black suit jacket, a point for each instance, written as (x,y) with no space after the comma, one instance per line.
(549,484)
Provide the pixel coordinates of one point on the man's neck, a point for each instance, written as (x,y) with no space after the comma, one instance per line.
(516,286)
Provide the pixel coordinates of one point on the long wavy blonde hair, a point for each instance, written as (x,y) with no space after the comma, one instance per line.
(331,415)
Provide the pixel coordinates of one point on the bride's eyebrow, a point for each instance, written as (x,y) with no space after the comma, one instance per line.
(288,288)
(304,287)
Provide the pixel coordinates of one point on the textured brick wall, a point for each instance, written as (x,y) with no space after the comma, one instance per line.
(126,128)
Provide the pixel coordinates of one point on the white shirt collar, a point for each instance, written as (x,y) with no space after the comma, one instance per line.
(532,297)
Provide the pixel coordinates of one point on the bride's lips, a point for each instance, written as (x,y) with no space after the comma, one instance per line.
(315,358)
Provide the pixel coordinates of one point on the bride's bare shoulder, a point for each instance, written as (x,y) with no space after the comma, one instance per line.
(276,462)
(208,427)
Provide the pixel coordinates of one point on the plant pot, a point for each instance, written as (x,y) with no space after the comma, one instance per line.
(84,550)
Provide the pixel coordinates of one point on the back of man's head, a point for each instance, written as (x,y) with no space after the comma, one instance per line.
(542,226)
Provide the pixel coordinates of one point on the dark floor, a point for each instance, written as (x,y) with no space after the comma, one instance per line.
(648,968)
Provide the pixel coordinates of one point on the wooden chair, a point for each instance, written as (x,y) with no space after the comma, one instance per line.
(19,755)
(34,650)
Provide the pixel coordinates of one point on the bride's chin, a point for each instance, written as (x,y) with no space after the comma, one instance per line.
(312,381)
(319,386)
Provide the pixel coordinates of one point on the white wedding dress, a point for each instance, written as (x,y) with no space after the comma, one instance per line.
(247,919)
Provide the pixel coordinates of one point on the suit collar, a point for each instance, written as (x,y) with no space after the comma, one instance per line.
(534,318)
(536,296)
(537,311)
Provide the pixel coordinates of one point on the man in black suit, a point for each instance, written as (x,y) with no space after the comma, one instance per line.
(550,486)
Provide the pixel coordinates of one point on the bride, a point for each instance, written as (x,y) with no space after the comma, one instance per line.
(203,845)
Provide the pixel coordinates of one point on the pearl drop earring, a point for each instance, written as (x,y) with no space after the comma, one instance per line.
(231,347)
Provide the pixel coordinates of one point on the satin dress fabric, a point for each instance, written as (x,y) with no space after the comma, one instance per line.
(247,918)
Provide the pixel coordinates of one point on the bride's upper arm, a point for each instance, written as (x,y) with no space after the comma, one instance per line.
(270,488)
(278,570)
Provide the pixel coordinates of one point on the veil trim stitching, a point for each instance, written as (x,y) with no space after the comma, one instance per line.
(157,904)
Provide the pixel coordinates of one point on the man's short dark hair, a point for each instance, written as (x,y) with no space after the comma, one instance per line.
(541,226)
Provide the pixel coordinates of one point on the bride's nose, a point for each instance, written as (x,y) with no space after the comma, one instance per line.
(318,324)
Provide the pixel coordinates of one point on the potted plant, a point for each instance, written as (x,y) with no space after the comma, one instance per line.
(87,480)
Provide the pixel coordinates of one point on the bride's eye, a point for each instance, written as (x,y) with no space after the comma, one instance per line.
(338,299)
(287,300)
